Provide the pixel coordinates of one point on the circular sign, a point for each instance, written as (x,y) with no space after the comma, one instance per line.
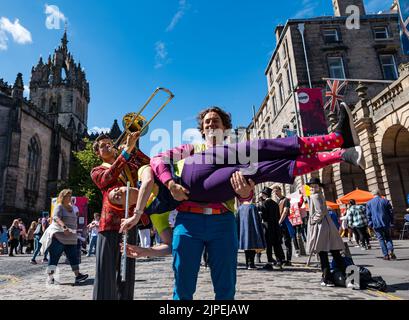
(303,97)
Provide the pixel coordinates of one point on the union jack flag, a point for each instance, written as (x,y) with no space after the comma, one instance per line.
(334,93)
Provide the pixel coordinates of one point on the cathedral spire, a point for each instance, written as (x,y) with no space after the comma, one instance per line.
(64,40)
(18,88)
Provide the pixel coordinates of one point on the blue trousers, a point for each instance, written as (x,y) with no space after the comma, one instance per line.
(218,234)
(56,249)
(37,248)
(93,245)
(384,237)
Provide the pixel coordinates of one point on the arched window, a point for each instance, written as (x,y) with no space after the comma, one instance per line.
(63,74)
(34,165)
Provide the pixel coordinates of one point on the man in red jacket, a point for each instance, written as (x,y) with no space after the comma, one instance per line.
(114,172)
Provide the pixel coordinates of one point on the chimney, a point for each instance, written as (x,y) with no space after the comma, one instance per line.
(340,7)
(278,31)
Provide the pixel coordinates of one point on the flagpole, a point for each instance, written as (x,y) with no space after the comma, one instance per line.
(359,80)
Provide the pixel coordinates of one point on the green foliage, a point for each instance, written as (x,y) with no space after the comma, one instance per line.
(80,181)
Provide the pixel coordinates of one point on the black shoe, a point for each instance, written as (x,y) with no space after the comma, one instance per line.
(81,278)
(327,283)
(268,266)
(346,128)
(288,264)
(354,156)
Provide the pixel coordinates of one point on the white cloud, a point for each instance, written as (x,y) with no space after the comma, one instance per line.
(183,7)
(54,17)
(307,9)
(19,34)
(98,130)
(161,57)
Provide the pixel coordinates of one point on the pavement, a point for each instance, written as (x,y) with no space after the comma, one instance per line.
(19,280)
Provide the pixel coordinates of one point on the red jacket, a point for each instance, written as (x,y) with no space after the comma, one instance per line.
(107,177)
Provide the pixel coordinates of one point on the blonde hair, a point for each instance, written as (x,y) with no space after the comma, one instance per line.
(33,225)
(63,194)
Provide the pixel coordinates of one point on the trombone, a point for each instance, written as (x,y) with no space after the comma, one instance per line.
(133,122)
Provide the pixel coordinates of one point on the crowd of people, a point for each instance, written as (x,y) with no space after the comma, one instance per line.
(208,223)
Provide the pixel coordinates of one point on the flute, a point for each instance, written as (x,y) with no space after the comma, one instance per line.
(125,236)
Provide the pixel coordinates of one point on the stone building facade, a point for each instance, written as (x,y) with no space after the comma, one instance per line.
(383,128)
(328,49)
(38,135)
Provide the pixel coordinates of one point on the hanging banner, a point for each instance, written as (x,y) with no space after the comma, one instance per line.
(403,8)
(312,112)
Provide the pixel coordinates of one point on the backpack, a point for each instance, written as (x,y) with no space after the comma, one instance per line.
(375,283)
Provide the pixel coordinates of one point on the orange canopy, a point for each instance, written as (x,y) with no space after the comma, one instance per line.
(332,205)
(360,196)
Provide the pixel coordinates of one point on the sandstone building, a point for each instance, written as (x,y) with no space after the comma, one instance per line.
(309,50)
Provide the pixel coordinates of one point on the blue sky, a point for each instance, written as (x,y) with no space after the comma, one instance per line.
(208,52)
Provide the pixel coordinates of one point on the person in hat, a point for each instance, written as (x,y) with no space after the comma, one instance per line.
(323,236)
(270,215)
(250,230)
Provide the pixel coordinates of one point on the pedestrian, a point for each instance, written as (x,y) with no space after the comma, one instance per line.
(287,229)
(270,214)
(380,218)
(250,230)
(30,237)
(23,235)
(334,217)
(358,221)
(61,237)
(145,236)
(42,225)
(14,236)
(323,236)
(93,228)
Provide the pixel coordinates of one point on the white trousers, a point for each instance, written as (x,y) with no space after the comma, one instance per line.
(145,236)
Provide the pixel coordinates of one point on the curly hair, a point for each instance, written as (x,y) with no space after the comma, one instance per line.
(225,116)
(95,145)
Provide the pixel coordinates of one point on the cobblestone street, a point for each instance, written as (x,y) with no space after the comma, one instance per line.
(19,280)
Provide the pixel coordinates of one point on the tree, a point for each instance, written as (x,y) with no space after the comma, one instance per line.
(80,181)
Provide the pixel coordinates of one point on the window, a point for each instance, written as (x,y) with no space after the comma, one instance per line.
(285,46)
(336,68)
(33,168)
(282,96)
(331,35)
(390,72)
(381,33)
(278,63)
(290,89)
(274,102)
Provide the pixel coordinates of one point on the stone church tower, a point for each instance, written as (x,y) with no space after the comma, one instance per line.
(60,89)
(38,135)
